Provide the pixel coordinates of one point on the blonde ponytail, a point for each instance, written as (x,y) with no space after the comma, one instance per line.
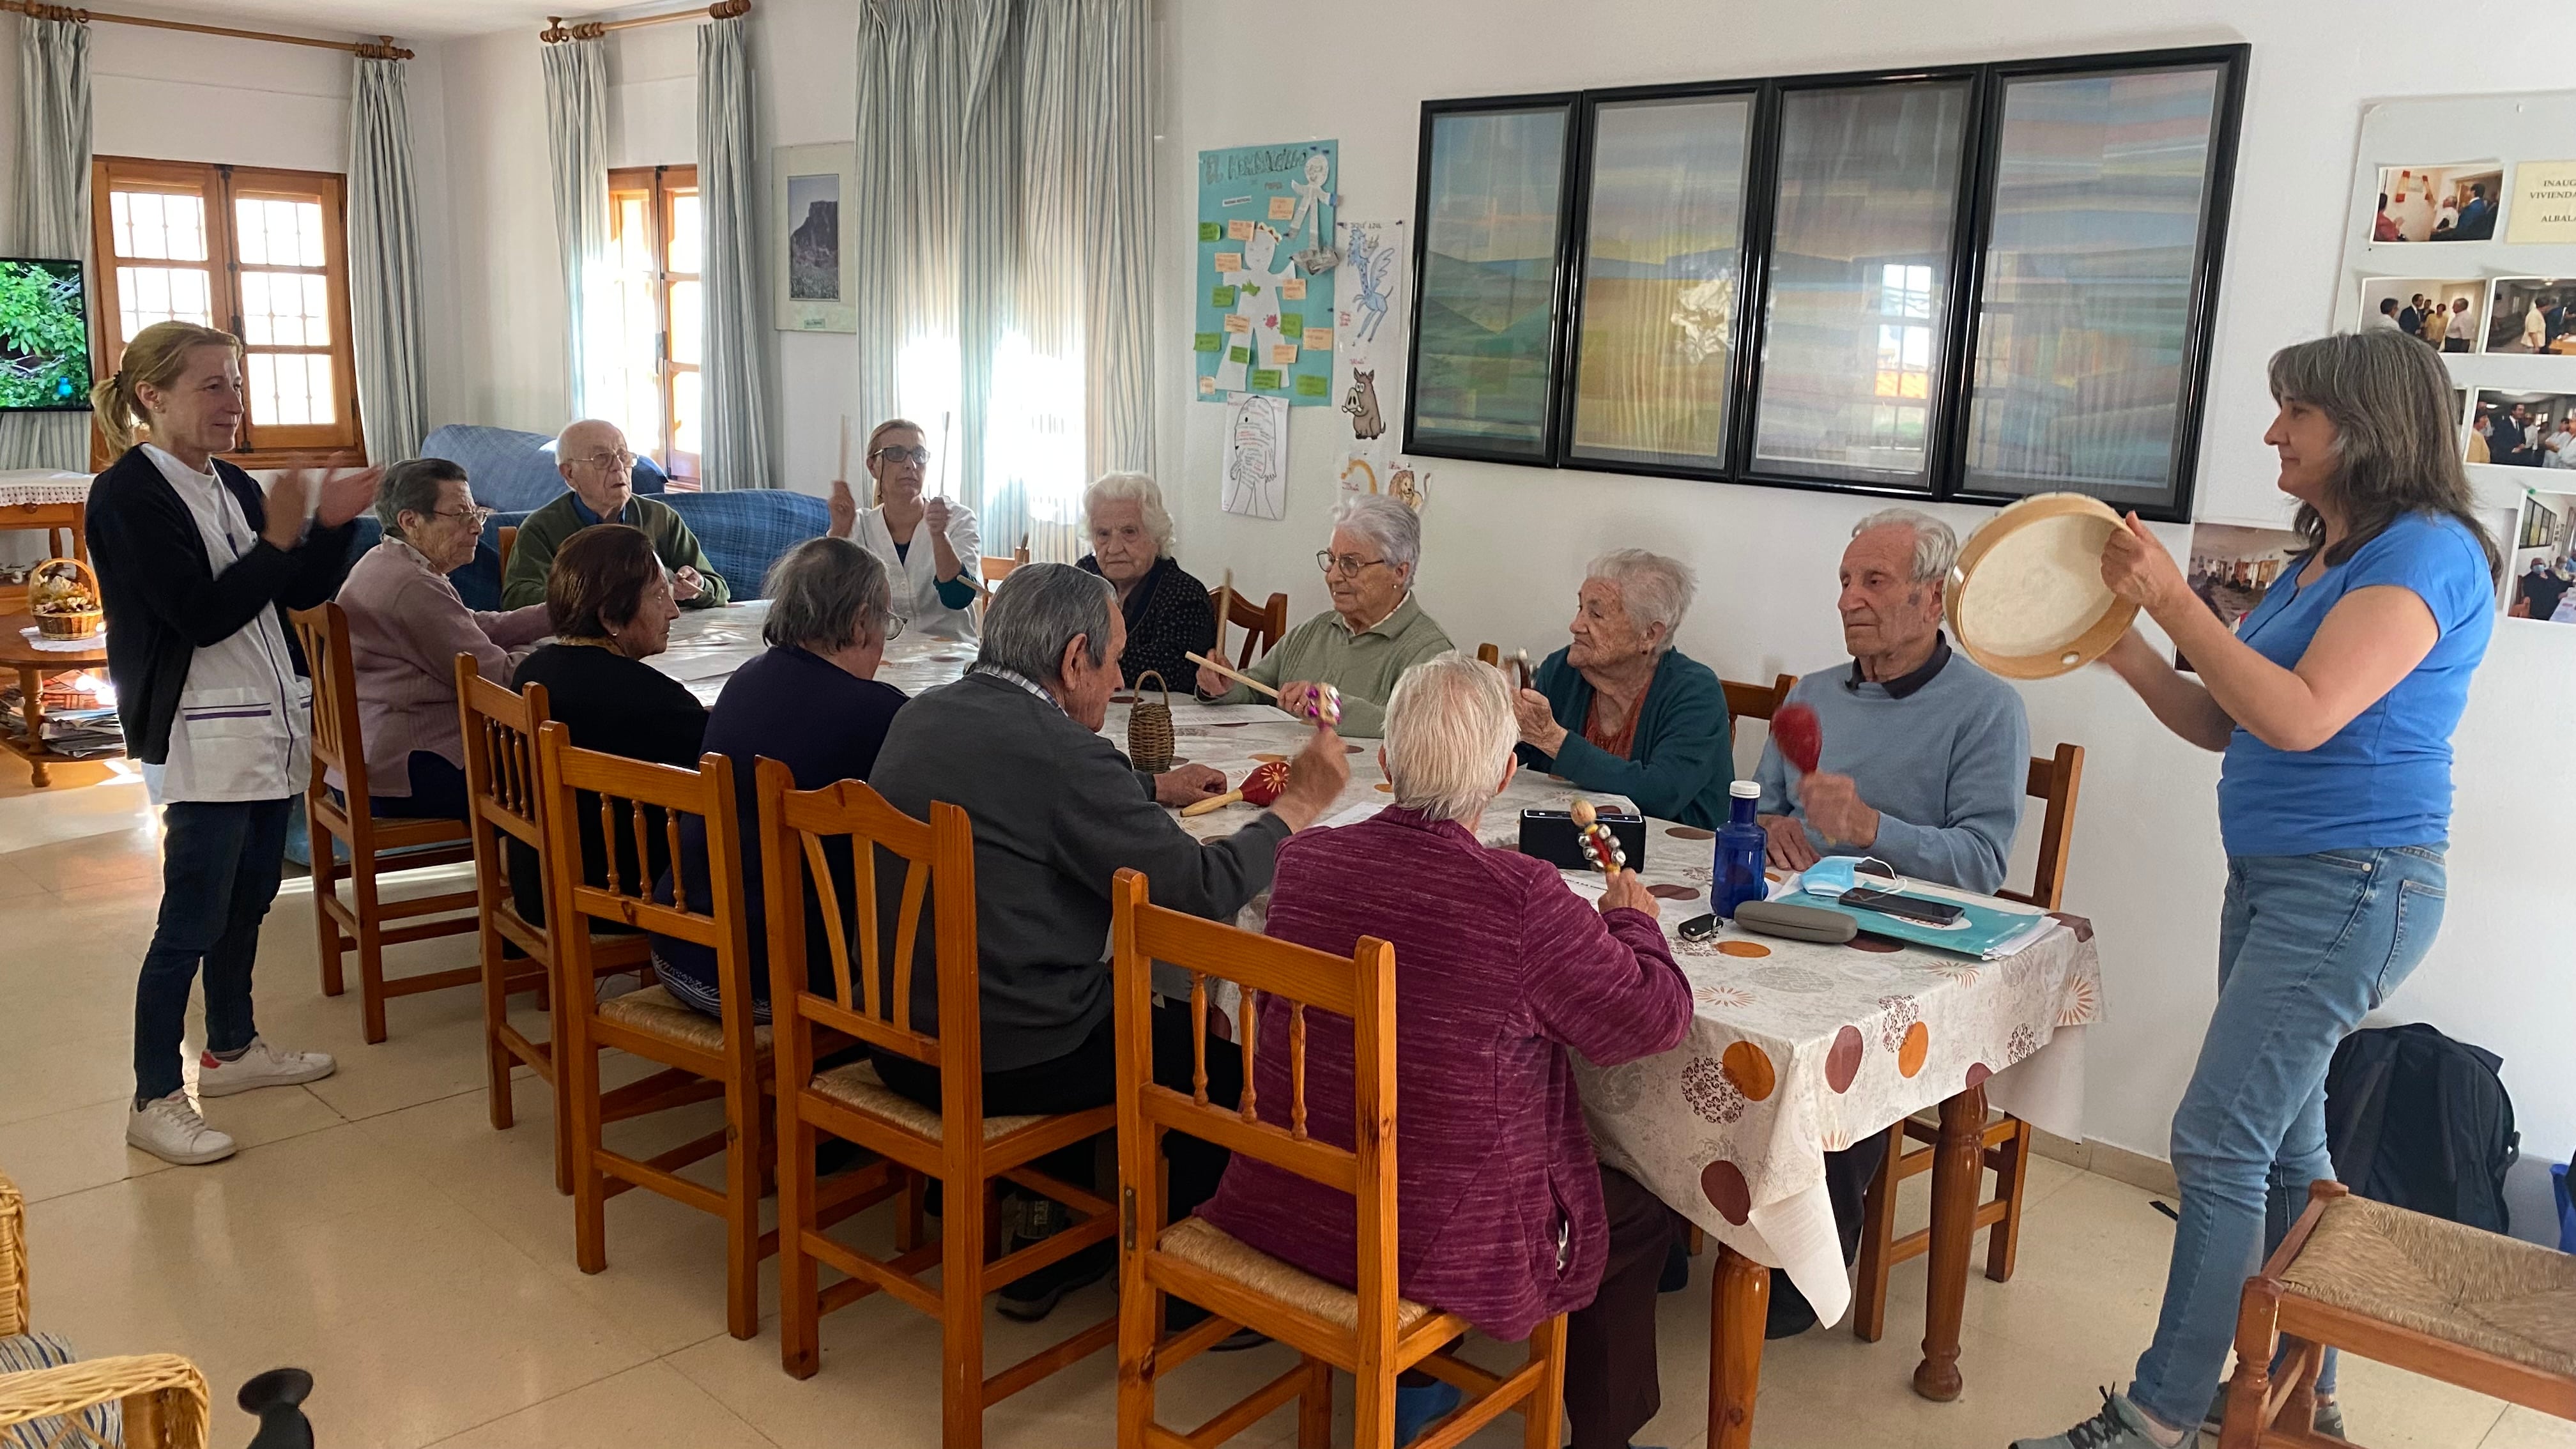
(155,358)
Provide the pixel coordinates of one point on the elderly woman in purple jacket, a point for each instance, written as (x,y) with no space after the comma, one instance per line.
(1505,1214)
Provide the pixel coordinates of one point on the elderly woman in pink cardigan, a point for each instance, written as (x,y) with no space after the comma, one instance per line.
(1505,1214)
(406,627)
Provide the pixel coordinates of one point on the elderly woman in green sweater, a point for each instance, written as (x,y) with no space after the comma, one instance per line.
(1620,710)
(1374,632)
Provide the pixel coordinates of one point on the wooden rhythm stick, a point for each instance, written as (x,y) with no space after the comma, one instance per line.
(1598,843)
(1237,675)
(1224,607)
(843,476)
(1324,706)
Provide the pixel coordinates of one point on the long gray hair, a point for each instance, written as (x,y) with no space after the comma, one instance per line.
(2397,445)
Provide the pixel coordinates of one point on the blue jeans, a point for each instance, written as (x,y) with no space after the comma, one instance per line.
(219,870)
(2307,944)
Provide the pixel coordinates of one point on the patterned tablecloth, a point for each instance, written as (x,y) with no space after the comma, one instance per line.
(42,485)
(1796,1049)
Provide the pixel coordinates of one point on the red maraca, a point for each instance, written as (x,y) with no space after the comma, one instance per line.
(1261,787)
(1800,736)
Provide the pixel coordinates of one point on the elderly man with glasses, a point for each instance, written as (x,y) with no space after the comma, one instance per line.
(1373,633)
(600,470)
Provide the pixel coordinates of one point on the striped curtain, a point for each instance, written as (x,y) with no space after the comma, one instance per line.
(1005,195)
(577,142)
(384,266)
(52,214)
(736,408)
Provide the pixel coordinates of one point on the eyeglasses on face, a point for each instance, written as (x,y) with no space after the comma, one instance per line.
(917,457)
(480,516)
(622,460)
(1348,564)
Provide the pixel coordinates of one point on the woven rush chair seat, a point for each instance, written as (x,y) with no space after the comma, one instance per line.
(656,1010)
(2459,1284)
(858,1085)
(1203,1244)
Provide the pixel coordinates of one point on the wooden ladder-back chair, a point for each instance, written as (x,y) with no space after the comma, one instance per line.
(702,1058)
(966,1152)
(2006,1143)
(339,745)
(1756,701)
(1372,1332)
(505,538)
(499,726)
(2491,1314)
(1263,625)
(163,1395)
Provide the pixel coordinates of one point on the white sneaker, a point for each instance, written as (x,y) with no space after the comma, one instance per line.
(261,1065)
(170,1129)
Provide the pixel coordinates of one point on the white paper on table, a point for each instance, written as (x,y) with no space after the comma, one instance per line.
(689,668)
(1365,810)
(1589,884)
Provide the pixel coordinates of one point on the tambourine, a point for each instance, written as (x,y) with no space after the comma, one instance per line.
(2026,599)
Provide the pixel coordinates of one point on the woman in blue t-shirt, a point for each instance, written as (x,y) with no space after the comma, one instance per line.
(2334,703)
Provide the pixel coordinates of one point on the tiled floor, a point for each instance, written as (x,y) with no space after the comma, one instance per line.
(377,1231)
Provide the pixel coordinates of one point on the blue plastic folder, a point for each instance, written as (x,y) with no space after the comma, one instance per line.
(1990,930)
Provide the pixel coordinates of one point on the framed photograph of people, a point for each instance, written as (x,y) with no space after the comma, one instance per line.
(2448,313)
(2457,202)
(2532,315)
(2541,581)
(2233,566)
(2524,430)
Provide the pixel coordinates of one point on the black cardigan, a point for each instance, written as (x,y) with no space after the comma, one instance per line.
(163,599)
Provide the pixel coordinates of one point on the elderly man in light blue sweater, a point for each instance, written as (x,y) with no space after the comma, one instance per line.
(1924,761)
(1925,754)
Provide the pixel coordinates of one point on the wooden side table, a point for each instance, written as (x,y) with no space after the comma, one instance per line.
(32,666)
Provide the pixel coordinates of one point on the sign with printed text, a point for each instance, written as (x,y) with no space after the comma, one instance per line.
(2544,203)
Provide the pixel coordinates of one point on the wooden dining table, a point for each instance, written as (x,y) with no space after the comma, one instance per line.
(1795,1048)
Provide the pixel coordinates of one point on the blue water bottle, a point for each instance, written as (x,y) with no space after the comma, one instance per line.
(1741,845)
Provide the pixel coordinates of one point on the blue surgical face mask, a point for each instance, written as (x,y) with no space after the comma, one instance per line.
(1835,874)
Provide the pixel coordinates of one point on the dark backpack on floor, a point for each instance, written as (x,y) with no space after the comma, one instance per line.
(2422,1122)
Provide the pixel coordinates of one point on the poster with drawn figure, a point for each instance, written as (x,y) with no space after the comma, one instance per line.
(1256,456)
(1263,315)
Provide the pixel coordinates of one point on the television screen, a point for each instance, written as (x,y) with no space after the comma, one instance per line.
(44,337)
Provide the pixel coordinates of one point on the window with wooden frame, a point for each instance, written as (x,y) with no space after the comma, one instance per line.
(261,254)
(657,325)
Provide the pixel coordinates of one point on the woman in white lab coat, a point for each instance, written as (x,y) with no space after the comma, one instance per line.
(195,565)
(932,551)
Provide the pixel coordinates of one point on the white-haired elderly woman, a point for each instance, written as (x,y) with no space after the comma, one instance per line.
(1374,632)
(1621,710)
(1168,613)
(406,627)
(813,703)
(1502,975)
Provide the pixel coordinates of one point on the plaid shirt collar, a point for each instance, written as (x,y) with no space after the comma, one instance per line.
(1013,676)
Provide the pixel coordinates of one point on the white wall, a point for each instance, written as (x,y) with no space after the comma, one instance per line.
(1505,546)
(509,304)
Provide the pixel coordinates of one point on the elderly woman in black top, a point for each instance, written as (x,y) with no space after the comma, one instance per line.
(812,703)
(1168,613)
(611,605)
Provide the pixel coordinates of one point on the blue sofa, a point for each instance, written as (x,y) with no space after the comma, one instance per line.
(514,471)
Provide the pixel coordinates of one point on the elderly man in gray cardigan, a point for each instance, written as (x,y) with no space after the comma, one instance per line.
(1057,811)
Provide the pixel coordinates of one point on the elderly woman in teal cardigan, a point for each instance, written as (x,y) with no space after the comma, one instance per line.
(1621,711)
